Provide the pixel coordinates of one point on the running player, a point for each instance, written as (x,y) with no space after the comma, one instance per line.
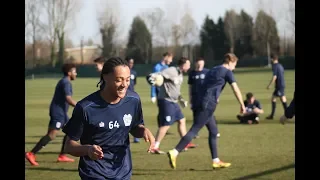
(205,106)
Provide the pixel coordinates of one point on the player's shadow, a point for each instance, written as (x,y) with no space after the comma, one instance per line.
(167,170)
(58,136)
(50,169)
(270,171)
(34,143)
(229,122)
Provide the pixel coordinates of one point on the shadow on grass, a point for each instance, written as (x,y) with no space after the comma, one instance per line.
(171,170)
(50,169)
(58,136)
(34,143)
(229,122)
(270,171)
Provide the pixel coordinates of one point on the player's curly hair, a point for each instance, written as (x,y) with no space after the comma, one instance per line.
(67,68)
(230,57)
(109,66)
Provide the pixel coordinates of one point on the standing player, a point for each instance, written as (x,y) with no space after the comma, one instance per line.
(290,111)
(253,110)
(133,82)
(58,114)
(168,98)
(278,79)
(195,80)
(163,64)
(102,122)
(99,63)
(211,89)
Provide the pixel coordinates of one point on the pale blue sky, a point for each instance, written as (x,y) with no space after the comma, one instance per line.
(86,24)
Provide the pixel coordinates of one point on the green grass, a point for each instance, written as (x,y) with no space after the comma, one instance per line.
(264,151)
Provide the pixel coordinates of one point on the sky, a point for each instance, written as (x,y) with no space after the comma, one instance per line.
(86,24)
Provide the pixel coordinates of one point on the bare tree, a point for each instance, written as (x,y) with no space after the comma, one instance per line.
(26,16)
(188,29)
(231,27)
(60,13)
(176,34)
(154,18)
(33,11)
(109,21)
(292,14)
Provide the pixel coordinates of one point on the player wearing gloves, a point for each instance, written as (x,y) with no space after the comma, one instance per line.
(163,64)
(169,80)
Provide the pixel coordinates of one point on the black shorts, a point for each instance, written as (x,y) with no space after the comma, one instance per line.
(278,92)
(244,119)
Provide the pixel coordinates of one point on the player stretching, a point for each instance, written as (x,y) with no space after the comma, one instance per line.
(102,122)
(205,106)
(133,82)
(278,79)
(163,64)
(289,112)
(168,98)
(58,114)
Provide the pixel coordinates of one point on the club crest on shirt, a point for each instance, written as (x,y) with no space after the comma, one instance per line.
(127,118)
(132,76)
(202,76)
(101,124)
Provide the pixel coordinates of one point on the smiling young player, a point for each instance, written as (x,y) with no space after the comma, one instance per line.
(102,122)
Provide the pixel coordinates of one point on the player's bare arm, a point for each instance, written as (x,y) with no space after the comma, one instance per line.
(258,111)
(71,101)
(75,149)
(142,132)
(238,95)
(274,78)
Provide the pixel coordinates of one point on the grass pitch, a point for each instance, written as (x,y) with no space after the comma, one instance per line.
(264,151)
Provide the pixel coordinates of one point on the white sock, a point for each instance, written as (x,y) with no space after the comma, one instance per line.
(216,160)
(156,145)
(175,152)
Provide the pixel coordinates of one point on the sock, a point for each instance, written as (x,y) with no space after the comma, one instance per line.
(156,145)
(284,104)
(216,160)
(273,109)
(175,152)
(62,147)
(42,143)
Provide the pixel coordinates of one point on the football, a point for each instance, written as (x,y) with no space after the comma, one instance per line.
(158,80)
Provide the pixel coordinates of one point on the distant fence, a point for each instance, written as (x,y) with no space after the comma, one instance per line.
(144,69)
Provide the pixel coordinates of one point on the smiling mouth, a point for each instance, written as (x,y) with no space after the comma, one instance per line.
(122,90)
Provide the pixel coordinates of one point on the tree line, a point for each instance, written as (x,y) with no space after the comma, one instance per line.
(152,32)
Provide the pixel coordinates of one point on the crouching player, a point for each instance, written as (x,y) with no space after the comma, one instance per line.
(253,109)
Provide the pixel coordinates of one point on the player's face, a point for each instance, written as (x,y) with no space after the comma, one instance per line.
(251,100)
(199,64)
(73,74)
(99,66)
(118,81)
(168,60)
(232,65)
(131,63)
(186,66)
